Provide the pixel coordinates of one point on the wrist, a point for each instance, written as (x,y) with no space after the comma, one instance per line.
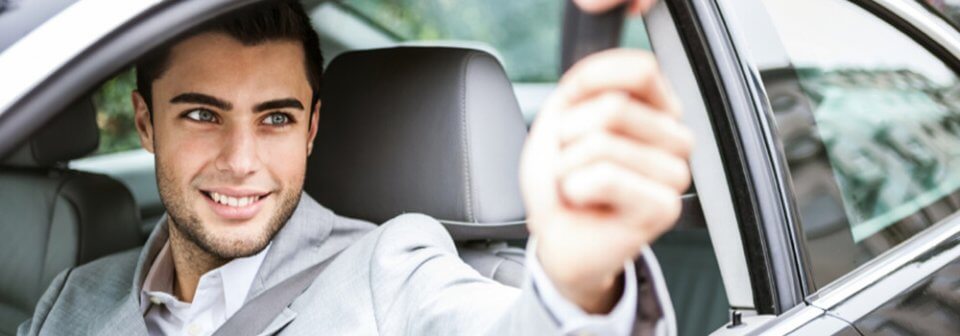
(594,290)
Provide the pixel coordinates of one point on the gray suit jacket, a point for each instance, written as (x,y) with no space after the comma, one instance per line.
(403,277)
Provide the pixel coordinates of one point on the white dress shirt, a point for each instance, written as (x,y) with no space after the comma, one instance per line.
(222,291)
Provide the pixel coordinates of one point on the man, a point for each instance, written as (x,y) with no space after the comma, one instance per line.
(231,111)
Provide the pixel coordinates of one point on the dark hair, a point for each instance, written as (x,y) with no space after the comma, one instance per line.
(252,25)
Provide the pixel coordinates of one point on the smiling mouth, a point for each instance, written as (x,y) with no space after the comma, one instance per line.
(233,201)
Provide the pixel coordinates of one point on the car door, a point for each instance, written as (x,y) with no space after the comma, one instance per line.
(835,124)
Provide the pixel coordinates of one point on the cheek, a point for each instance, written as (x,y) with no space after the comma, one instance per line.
(186,155)
(285,157)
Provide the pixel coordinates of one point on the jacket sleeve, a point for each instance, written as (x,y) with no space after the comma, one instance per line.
(33,325)
(421,286)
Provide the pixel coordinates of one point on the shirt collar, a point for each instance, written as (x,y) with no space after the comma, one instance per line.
(236,277)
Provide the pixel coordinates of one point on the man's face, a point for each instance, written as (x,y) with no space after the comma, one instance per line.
(231,138)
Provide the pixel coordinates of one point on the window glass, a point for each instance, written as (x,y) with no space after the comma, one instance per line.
(115,114)
(524,34)
(870,124)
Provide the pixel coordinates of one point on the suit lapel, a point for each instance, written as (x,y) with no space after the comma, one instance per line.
(301,243)
(125,318)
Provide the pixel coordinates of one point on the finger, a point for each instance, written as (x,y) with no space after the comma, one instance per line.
(599,6)
(633,71)
(653,163)
(632,198)
(640,6)
(616,112)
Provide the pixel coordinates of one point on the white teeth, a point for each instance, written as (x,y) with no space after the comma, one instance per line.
(233,201)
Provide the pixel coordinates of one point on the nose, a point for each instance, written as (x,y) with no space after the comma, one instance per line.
(239,156)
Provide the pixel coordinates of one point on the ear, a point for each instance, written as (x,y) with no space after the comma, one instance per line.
(143,120)
(314,120)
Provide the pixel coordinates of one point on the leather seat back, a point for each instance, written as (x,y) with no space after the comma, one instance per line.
(425,129)
(53,218)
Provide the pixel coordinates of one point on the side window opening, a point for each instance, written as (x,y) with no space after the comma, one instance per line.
(869,130)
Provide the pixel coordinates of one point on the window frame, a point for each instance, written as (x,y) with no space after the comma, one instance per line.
(26,105)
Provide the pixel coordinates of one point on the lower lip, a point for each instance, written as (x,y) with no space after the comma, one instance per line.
(236,213)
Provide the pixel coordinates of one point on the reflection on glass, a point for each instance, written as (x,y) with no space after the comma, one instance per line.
(870,123)
(887,133)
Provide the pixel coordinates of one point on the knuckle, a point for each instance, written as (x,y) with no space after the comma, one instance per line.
(685,140)
(648,60)
(614,106)
(669,210)
(681,175)
(605,169)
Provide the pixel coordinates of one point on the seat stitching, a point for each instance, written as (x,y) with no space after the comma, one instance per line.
(464,140)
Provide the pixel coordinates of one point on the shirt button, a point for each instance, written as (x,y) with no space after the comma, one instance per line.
(194,329)
(156,300)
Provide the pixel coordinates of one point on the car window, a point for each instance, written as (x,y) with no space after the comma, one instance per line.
(870,129)
(524,34)
(115,114)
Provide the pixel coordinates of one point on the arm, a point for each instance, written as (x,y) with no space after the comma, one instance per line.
(420,286)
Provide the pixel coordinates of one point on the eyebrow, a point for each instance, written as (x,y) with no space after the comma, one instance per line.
(203,99)
(278,104)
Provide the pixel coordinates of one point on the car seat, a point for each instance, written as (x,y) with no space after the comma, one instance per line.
(53,218)
(430,130)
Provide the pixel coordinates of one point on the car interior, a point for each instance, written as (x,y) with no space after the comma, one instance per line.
(407,126)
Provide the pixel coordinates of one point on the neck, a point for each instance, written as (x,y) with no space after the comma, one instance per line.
(190,262)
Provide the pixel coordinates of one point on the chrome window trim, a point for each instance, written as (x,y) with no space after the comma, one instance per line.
(899,283)
(790,320)
(33,58)
(932,26)
(706,165)
(887,263)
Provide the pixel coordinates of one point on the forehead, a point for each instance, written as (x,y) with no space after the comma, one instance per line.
(216,61)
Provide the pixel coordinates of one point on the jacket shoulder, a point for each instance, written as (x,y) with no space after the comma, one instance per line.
(79,295)
(410,231)
(107,274)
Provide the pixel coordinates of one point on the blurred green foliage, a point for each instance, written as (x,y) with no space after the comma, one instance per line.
(115,114)
(525,34)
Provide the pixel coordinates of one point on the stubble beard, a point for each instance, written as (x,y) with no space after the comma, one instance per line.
(189,224)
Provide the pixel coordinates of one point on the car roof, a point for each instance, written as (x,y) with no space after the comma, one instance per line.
(20,17)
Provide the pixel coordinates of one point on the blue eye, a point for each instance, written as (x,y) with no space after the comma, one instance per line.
(201,115)
(277,119)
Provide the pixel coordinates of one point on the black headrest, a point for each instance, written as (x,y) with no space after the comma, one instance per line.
(69,135)
(421,129)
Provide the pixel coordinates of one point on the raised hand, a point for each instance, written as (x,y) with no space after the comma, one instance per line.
(602,172)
